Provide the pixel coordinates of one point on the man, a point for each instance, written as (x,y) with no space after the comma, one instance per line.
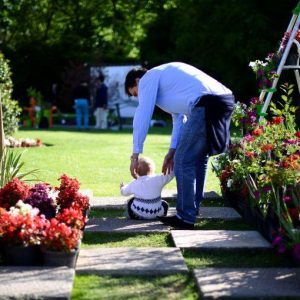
(101,111)
(81,96)
(201,109)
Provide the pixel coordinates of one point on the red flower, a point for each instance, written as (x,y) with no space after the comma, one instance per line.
(18,229)
(72,217)
(12,192)
(250,154)
(266,147)
(297,134)
(277,120)
(294,214)
(69,195)
(61,237)
(257,131)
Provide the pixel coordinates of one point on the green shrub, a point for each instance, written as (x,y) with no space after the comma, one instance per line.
(11,109)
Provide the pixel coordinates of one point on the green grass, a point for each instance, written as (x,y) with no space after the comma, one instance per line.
(99,160)
(107,213)
(92,287)
(228,259)
(100,239)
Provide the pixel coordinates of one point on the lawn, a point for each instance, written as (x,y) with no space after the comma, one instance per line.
(99,160)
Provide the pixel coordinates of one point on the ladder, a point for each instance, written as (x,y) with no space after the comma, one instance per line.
(293,27)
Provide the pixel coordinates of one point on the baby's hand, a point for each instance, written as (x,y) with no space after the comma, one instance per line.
(121,185)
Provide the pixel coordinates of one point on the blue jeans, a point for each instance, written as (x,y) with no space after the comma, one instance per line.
(190,165)
(82,109)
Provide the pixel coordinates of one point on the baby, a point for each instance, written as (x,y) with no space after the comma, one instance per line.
(147,202)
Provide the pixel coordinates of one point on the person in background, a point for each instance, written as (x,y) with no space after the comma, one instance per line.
(147,202)
(201,109)
(101,110)
(81,97)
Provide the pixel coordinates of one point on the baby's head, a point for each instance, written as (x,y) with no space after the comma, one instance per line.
(146,166)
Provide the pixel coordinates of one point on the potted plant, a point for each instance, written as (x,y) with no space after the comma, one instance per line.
(21,230)
(60,244)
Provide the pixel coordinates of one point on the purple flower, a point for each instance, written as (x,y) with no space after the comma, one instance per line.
(277,241)
(40,199)
(287,199)
(267,189)
(257,194)
(296,251)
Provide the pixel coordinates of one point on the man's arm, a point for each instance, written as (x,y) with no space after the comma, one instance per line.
(168,163)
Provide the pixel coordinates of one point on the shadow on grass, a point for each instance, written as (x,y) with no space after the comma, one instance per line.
(223,225)
(152,130)
(235,259)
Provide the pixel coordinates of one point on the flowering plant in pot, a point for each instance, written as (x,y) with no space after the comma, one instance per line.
(22,230)
(60,245)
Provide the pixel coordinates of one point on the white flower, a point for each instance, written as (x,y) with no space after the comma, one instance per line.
(229,183)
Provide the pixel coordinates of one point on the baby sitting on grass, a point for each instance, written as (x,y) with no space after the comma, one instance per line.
(146,189)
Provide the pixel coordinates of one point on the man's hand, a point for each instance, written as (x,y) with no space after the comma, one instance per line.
(134,165)
(168,164)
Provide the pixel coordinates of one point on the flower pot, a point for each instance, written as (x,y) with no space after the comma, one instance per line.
(60,258)
(22,256)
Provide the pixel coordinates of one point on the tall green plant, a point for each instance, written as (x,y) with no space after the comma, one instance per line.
(11,166)
(11,109)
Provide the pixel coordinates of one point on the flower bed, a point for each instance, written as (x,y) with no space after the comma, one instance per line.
(263,168)
(16,143)
(42,216)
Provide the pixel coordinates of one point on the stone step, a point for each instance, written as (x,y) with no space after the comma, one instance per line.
(36,282)
(214,213)
(124,225)
(246,283)
(131,261)
(119,202)
(219,239)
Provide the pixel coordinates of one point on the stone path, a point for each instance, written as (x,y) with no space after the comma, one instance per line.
(131,261)
(219,240)
(212,283)
(36,282)
(256,283)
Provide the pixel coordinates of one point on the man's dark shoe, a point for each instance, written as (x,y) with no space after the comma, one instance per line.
(176,223)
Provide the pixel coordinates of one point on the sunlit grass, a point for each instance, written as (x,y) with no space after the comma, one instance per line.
(99,160)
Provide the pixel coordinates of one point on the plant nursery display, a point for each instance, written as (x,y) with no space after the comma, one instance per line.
(261,171)
(42,219)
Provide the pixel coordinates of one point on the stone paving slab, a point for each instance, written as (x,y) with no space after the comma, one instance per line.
(219,239)
(88,193)
(214,213)
(119,202)
(258,283)
(131,261)
(36,282)
(124,225)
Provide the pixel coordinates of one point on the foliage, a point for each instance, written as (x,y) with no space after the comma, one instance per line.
(11,109)
(11,166)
